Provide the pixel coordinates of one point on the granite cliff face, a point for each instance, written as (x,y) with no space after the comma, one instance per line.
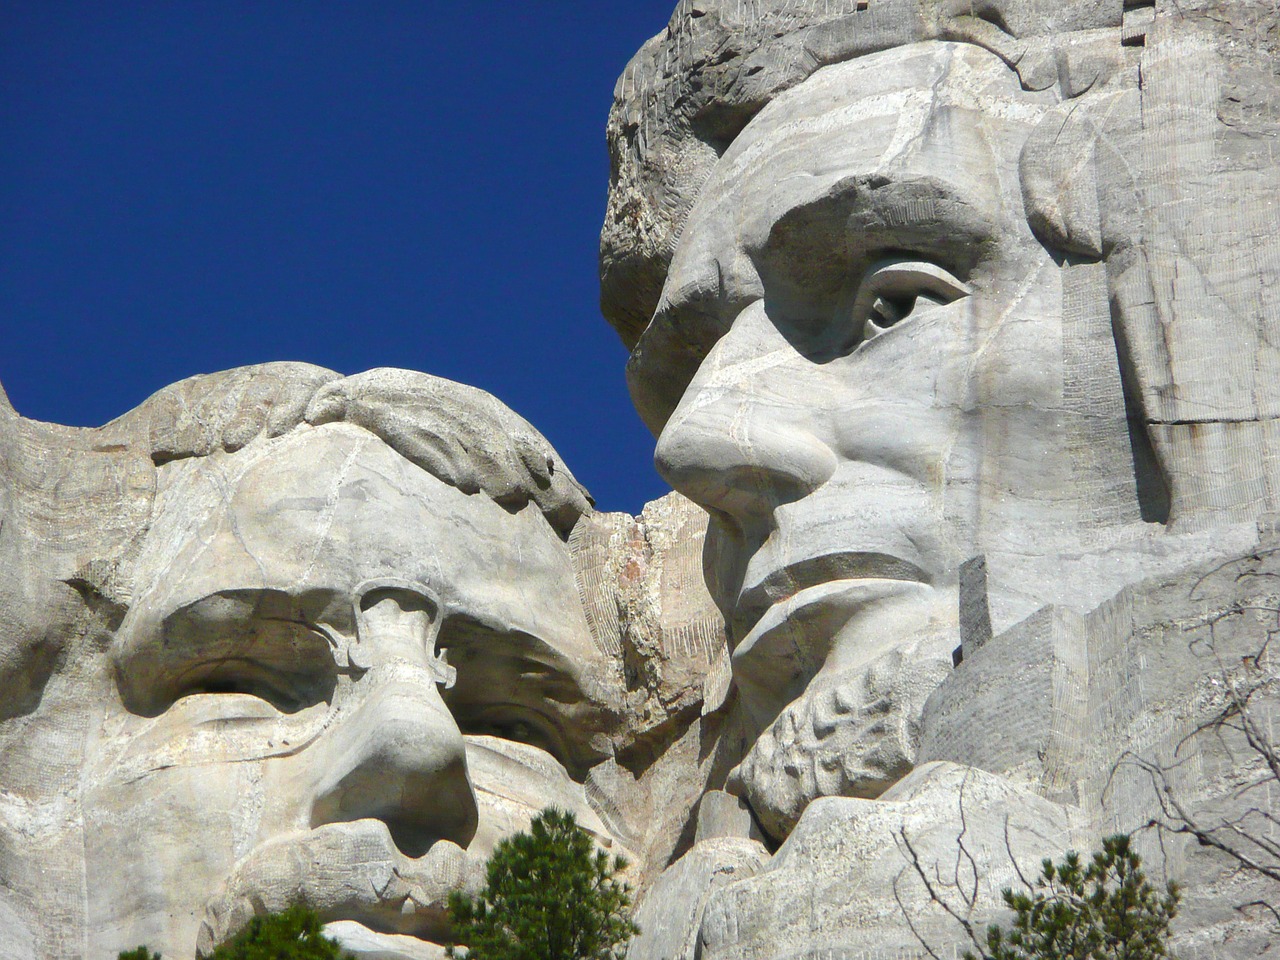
(959,320)
(955,325)
(280,635)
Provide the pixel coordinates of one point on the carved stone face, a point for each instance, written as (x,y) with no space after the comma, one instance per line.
(878,397)
(288,720)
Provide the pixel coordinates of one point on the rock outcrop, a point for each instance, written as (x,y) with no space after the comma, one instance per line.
(960,322)
(957,327)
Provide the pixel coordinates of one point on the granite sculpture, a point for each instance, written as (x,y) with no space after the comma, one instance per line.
(955,326)
(279,635)
(960,320)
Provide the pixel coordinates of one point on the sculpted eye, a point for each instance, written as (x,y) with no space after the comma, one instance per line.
(242,645)
(516,687)
(894,290)
(283,689)
(521,727)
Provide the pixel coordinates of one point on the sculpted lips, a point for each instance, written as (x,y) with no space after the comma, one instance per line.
(787,582)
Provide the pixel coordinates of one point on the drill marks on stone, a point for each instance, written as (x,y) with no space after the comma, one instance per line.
(1136,21)
(683,590)
(605,784)
(1222,468)
(1202,331)
(1260,277)
(974,610)
(591,543)
(1097,426)
(701,640)
(1208,292)
(641,584)
(1069,741)
(692,628)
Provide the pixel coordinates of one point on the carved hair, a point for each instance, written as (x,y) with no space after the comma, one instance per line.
(693,88)
(457,433)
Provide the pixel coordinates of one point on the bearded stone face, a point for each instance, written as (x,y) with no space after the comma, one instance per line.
(883,392)
(957,321)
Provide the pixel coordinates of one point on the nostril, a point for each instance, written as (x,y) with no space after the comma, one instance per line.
(420,809)
(428,810)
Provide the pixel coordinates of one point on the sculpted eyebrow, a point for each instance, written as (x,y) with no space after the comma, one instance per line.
(865,215)
(513,654)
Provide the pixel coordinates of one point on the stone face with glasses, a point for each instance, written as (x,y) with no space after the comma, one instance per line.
(954,324)
(288,636)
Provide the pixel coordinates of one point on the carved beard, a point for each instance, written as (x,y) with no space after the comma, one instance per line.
(851,734)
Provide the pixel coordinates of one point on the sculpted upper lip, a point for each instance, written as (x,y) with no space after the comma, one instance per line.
(785,582)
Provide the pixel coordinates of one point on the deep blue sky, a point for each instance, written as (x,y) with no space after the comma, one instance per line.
(190,186)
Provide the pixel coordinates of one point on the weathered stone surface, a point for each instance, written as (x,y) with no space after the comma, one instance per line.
(841,881)
(960,321)
(721,814)
(956,325)
(671,916)
(1033,728)
(280,636)
(641,585)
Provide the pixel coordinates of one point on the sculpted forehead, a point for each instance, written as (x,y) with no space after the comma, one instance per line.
(948,112)
(326,509)
(906,88)
(910,151)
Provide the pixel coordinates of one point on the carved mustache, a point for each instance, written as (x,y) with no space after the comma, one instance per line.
(344,871)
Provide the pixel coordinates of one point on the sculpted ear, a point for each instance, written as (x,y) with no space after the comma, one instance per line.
(1077,185)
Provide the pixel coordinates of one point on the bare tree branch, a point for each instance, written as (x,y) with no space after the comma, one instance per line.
(1241,726)
(963,919)
(906,914)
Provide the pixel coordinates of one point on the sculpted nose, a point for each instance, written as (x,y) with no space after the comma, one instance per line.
(740,440)
(396,754)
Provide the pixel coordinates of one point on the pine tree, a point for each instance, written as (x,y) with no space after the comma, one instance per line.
(294,934)
(549,895)
(1106,910)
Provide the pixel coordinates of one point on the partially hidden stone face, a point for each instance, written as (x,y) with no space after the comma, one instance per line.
(958,320)
(277,637)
